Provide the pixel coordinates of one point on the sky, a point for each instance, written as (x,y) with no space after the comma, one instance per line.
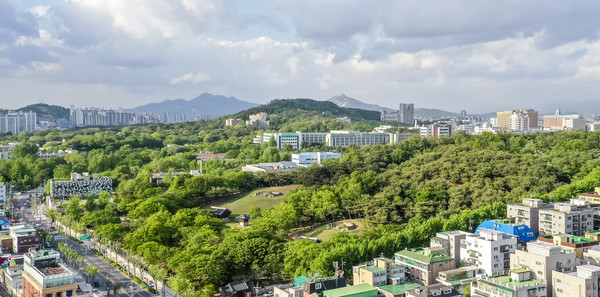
(476,55)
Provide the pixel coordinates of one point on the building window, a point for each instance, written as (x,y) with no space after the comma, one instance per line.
(317,286)
(69,293)
(48,295)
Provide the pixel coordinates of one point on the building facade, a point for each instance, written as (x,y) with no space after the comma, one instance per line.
(44,276)
(489,250)
(502,118)
(520,283)
(582,282)
(566,218)
(424,264)
(450,242)
(307,159)
(527,212)
(16,122)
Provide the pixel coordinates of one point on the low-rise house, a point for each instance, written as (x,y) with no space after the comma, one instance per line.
(238,289)
(295,289)
(221,212)
(316,286)
(519,283)
(397,290)
(7,243)
(424,264)
(460,277)
(435,290)
(243,219)
(581,282)
(380,272)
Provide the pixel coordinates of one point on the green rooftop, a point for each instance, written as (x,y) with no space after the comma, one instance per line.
(505,282)
(520,270)
(362,290)
(595,232)
(300,280)
(419,255)
(575,239)
(373,268)
(399,288)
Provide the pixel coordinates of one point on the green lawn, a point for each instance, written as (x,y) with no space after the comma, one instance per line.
(324,234)
(243,203)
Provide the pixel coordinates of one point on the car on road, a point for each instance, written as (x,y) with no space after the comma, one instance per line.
(96,284)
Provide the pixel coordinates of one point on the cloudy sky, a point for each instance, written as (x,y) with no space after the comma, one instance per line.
(460,54)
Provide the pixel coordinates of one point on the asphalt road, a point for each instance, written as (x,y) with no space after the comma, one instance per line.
(106,272)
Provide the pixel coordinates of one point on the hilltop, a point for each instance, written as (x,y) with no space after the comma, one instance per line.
(324,107)
(42,109)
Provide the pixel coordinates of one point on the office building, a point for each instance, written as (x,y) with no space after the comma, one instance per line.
(44,276)
(518,122)
(582,282)
(527,212)
(566,218)
(258,121)
(348,138)
(424,264)
(16,122)
(489,250)
(541,259)
(520,283)
(296,140)
(438,129)
(502,118)
(564,122)
(307,159)
(450,242)
(405,114)
(80,184)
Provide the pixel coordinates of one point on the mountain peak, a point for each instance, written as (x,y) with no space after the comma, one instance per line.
(205,103)
(344,101)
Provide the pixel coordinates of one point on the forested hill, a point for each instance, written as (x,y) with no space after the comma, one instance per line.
(324,107)
(42,109)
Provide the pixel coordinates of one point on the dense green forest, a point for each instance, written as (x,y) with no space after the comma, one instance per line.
(404,192)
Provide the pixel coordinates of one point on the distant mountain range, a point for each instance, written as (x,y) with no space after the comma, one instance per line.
(420,113)
(204,104)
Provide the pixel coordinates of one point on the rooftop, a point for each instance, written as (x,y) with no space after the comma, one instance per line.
(373,268)
(419,255)
(352,290)
(574,238)
(52,270)
(506,282)
(399,288)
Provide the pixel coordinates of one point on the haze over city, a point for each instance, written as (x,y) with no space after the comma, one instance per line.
(477,55)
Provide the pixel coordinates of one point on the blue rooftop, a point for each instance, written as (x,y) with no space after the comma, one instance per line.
(523,232)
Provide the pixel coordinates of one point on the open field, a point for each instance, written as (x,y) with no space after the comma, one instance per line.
(243,203)
(324,234)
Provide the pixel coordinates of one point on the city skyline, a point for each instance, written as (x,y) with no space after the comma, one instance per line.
(437,55)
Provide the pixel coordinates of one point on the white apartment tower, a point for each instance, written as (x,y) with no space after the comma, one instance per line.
(489,250)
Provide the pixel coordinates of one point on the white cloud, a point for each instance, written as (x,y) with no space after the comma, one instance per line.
(190,78)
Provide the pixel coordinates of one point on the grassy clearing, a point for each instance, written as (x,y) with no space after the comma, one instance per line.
(324,234)
(243,203)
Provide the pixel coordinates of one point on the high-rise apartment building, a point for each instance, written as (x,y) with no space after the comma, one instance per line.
(101,117)
(16,122)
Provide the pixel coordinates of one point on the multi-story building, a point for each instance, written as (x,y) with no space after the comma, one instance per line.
(518,122)
(591,197)
(566,218)
(489,250)
(405,114)
(25,238)
(12,280)
(258,121)
(307,159)
(541,259)
(424,264)
(398,137)
(527,212)
(44,276)
(502,118)
(80,184)
(16,122)
(522,232)
(582,282)
(520,283)
(101,117)
(360,290)
(318,285)
(450,242)
(571,243)
(3,192)
(347,138)
(567,122)
(381,271)
(438,129)
(296,140)
(233,122)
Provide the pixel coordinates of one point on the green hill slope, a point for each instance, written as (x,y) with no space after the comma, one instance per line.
(42,109)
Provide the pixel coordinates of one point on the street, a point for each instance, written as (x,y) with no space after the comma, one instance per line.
(106,272)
